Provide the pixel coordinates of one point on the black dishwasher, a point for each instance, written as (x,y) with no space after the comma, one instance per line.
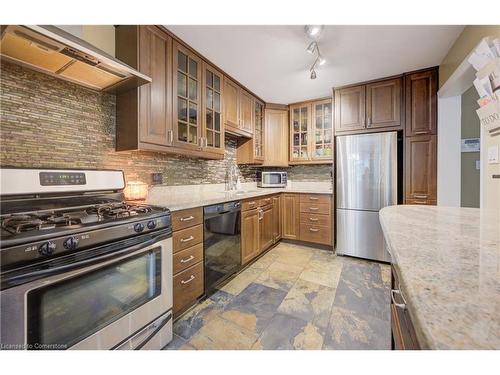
(221,242)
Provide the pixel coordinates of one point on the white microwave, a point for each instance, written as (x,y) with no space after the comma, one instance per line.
(271,179)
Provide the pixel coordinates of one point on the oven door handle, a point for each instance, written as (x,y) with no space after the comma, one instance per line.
(91,261)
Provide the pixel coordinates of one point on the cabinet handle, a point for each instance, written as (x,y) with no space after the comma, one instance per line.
(421,132)
(313,230)
(314,208)
(188,280)
(420,201)
(313,198)
(313,219)
(190,238)
(369,121)
(261,214)
(170,136)
(187,259)
(400,305)
(188,218)
(420,196)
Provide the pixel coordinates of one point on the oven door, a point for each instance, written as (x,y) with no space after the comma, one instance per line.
(96,303)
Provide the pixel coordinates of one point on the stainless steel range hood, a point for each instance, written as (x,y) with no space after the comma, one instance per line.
(53,51)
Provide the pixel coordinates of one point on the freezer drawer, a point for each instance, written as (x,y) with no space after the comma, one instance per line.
(359,234)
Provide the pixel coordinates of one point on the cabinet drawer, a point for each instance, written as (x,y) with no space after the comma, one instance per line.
(315,219)
(186,258)
(187,218)
(266,201)
(188,286)
(315,198)
(182,239)
(249,204)
(315,208)
(316,234)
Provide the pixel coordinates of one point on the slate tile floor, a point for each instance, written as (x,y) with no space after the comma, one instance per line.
(294,297)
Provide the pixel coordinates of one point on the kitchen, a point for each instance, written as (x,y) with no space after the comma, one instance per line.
(158,193)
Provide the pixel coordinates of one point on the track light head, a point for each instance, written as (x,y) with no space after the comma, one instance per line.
(312,47)
(313,31)
(313,74)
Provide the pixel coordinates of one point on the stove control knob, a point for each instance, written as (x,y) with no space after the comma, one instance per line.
(151,224)
(70,243)
(47,248)
(139,227)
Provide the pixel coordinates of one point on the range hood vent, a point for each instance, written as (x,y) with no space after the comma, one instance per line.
(53,51)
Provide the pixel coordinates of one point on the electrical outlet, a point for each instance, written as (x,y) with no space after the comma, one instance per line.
(157,178)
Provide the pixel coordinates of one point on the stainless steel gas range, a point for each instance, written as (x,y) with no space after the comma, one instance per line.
(79,267)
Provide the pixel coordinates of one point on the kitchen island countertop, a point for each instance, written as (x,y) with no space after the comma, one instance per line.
(448,263)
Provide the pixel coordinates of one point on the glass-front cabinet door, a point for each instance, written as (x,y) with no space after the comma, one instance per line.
(213,128)
(322,127)
(187,82)
(299,132)
(259,131)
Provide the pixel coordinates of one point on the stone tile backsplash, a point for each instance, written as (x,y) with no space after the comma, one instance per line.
(47,122)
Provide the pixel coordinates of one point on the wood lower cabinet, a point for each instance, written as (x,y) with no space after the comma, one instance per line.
(250,237)
(277,218)
(403,331)
(276,138)
(187,243)
(421,169)
(350,109)
(290,216)
(383,104)
(421,102)
(266,227)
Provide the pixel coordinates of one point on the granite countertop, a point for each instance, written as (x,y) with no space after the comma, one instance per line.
(448,263)
(182,198)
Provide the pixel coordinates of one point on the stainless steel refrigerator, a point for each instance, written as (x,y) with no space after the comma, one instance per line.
(366,182)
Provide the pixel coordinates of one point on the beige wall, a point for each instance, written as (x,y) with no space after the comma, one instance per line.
(469,175)
(101,36)
(466,41)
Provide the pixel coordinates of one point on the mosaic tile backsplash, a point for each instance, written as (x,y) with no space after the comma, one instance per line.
(47,122)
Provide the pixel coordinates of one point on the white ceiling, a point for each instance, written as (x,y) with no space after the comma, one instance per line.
(272,60)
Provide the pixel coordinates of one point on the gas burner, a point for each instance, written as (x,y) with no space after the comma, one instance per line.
(118,210)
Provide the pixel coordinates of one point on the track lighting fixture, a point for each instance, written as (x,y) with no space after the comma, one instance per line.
(312,47)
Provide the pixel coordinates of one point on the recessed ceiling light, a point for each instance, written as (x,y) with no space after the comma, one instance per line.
(313,31)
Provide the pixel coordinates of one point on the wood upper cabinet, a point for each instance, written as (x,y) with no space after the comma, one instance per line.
(383,104)
(251,150)
(421,102)
(322,129)
(155,60)
(144,114)
(238,109)
(213,125)
(246,112)
(266,227)
(276,144)
(300,120)
(231,103)
(421,169)
(250,238)
(311,128)
(187,106)
(350,108)
(276,217)
(290,218)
